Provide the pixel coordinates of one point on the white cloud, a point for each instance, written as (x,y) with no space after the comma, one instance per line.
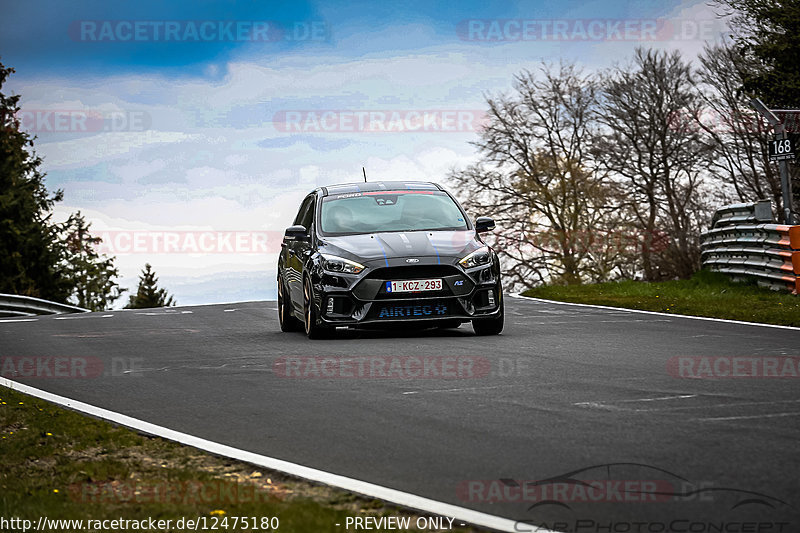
(86,151)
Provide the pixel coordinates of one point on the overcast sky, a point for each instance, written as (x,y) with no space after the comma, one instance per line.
(201,125)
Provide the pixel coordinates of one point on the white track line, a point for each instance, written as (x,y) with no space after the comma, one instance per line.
(726,418)
(404,499)
(239,302)
(520,296)
(425,391)
(660,398)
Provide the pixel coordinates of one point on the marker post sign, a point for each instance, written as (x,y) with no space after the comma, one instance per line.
(783,147)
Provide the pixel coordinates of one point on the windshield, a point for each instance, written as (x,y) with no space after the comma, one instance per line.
(383,211)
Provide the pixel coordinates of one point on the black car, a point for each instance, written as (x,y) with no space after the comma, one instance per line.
(383,253)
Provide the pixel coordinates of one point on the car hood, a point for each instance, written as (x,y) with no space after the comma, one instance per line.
(392,245)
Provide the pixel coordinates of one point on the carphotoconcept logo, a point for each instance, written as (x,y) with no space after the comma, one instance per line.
(379,121)
(588,30)
(197,31)
(579,496)
(637,483)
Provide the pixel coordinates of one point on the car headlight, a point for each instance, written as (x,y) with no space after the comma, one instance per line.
(479,257)
(332,263)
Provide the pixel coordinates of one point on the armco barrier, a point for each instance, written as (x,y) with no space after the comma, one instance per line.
(739,245)
(14,305)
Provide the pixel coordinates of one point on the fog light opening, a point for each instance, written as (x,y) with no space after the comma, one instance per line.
(330,306)
(491,298)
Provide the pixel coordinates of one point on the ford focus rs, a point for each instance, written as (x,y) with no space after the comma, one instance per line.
(386,253)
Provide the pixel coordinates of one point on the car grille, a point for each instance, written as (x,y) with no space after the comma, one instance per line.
(373,286)
(413,272)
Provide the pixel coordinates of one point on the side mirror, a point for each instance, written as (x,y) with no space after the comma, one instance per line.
(483,224)
(298,232)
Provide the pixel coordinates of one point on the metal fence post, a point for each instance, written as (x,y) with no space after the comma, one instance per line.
(783,165)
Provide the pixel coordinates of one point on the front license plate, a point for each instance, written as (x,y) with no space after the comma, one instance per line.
(414,285)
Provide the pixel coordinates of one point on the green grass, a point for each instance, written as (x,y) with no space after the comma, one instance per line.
(707,294)
(61,464)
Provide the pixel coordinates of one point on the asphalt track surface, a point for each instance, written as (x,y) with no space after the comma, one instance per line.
(563,393)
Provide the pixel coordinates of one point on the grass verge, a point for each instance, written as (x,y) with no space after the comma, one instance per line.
(61,464)
(707,294)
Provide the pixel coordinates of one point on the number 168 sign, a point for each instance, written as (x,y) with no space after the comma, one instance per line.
(782,148)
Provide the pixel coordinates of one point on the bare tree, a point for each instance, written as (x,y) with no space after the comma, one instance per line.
(652,144)
(736,132)
(538,179)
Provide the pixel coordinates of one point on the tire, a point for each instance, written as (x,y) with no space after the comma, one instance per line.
(312,329)
(490,326)
(286,316)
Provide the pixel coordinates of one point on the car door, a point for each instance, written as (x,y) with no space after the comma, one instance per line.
(298,252)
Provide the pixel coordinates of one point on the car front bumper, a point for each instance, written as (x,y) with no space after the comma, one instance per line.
(363,300)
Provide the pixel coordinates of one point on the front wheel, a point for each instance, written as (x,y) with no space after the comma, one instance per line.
(312,329)
(286,316)
(490,326)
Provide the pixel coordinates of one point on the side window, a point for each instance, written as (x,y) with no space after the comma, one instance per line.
(305,216)
(302,213)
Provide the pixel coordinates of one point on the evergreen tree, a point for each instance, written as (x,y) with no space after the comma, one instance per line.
(148,294)
(768,31)
(90,275)
(29,251)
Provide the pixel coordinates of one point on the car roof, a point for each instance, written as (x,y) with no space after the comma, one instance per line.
(373,186)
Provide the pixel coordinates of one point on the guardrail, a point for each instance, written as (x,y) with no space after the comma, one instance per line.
(741,245)
(15,305)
